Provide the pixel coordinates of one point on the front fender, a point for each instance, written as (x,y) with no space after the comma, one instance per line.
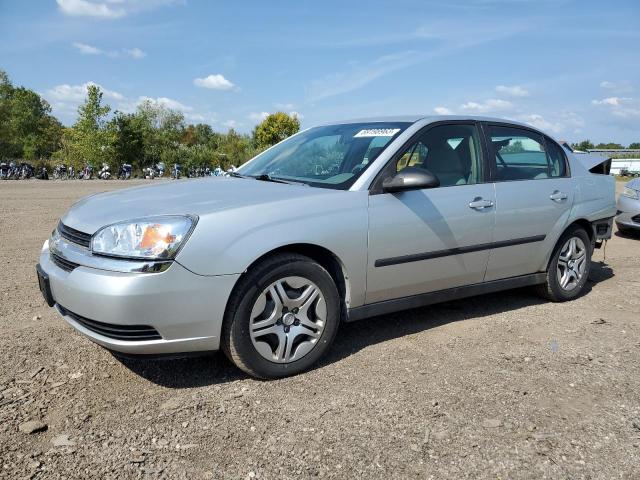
(228,242)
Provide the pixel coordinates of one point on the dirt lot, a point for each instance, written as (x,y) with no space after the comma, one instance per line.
(502,386)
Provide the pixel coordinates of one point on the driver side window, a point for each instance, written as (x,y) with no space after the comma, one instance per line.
(451,152)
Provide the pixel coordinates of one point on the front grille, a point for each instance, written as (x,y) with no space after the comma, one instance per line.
(118,332)
(636,219)
(74,235)
(63,263)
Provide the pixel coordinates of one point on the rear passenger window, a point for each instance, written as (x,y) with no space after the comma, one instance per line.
(521,155)
(557,159)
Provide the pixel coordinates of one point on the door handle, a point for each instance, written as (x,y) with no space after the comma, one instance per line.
(558,196)
(479,203)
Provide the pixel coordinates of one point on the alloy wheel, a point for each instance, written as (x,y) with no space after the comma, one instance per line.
(572,263)
(288,319)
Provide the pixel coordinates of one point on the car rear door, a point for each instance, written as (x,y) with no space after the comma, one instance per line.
(534,195)
(432,239)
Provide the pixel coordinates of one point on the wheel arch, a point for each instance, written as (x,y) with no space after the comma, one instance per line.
(583,223)
(323,256)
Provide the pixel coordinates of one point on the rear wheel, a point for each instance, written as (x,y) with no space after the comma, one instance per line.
(569,266)
(282,317)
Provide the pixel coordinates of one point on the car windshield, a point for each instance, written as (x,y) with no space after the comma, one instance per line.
(331,156)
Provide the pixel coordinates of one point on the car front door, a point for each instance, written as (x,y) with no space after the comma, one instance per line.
(432,239)
(534,195)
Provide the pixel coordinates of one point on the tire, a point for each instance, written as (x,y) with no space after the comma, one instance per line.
(557,287)
(272,308)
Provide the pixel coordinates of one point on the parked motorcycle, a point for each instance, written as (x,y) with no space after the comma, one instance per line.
(4,171)
(125,172)
(86,173)
(176,171)
(60,172)
(105,172)
(26,171)
(43,174)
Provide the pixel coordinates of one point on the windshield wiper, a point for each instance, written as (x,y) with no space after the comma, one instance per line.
(265,177)
(237,175)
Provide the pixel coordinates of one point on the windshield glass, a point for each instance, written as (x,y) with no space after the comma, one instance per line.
(331,156)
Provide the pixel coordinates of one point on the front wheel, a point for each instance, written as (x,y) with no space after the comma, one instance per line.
(282,317)
(569,267)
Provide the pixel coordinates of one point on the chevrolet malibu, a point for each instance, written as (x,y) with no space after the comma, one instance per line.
(337,223)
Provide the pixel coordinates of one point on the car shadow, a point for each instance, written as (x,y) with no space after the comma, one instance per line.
(214,368)
(201,370)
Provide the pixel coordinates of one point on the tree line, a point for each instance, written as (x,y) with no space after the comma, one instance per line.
(588,145)
(151,134)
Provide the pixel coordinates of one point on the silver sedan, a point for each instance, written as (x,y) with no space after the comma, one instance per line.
(628,218)
(337,223)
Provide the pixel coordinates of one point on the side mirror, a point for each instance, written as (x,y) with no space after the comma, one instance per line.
(410,178)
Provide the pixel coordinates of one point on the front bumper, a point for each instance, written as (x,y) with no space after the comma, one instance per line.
(184,308)
(628,208)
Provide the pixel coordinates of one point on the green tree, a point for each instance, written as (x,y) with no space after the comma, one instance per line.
(609,145)
(6,91)
(127,141)
(634,145)
(162,129)
(584,145)
(27,129)
(89,140)
(234,149)
(275,128)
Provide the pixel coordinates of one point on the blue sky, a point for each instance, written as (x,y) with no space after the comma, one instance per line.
(571,68)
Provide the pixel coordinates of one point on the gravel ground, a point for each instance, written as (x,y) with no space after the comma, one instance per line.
(500,386)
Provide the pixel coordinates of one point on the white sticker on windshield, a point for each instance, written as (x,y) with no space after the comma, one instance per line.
(377,132)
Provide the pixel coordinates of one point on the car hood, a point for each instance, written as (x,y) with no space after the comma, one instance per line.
(196,197)
(634,184)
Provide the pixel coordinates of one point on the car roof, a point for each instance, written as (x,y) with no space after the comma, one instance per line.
(428,118)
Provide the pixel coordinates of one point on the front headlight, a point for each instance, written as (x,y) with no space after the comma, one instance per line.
(157,238)
(630,192)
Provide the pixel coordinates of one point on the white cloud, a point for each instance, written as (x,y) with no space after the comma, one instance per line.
(258,116)
(77,93)
(167,103)
(622,107)
(512,91)
(135,53)
(65,99)
(490,105)
(613,101)
(540,122)
(232,124)
(109,9)
(617,87)
(214,82)
(565,122)
(87,49)
(90,9)
(442,111)
(361,75)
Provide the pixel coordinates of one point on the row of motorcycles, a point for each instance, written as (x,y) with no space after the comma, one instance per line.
(16,171)
(23,170)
